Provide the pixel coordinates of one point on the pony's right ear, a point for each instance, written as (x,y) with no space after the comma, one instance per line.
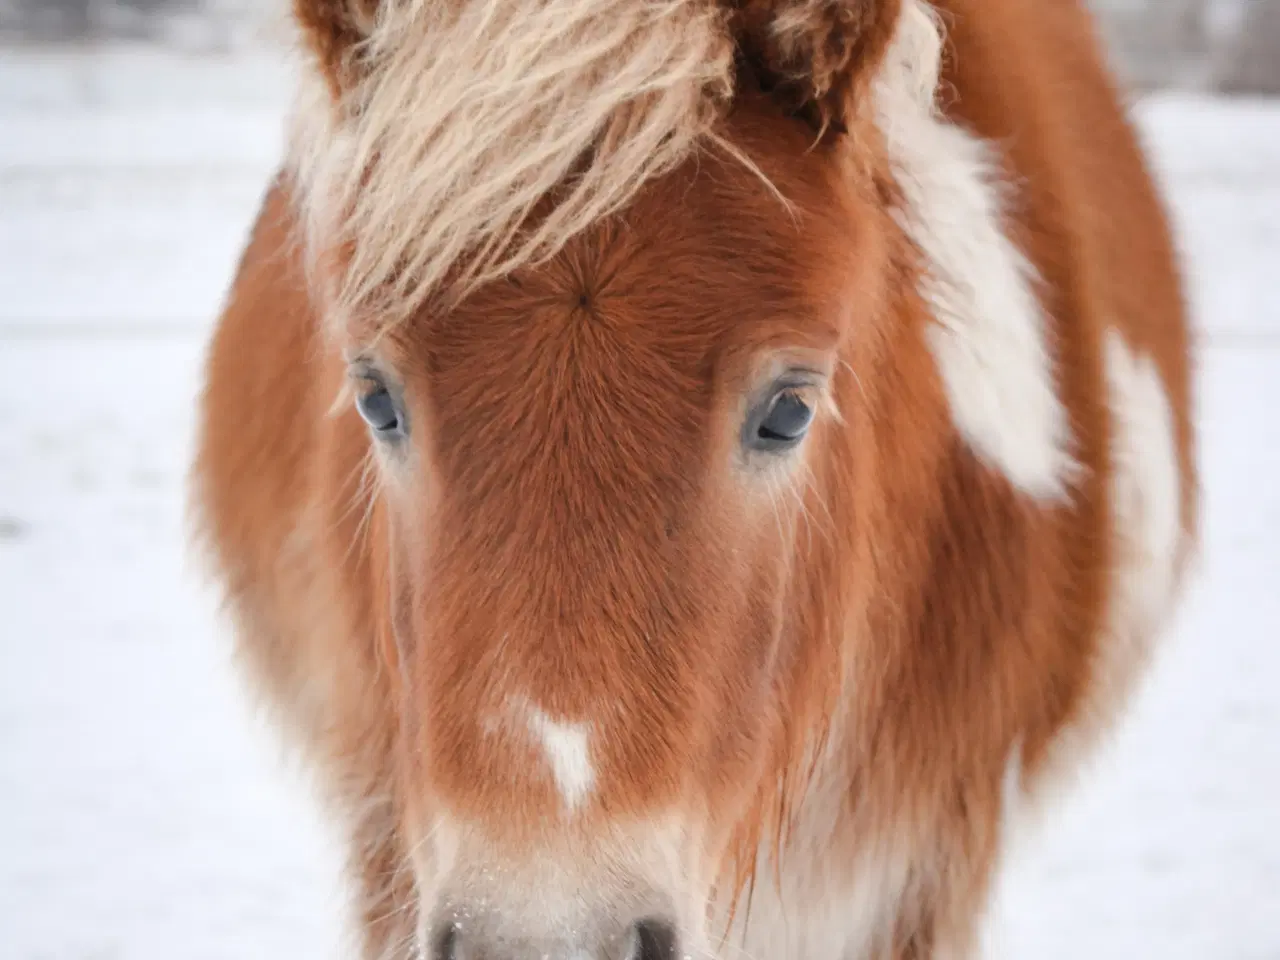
(333,31)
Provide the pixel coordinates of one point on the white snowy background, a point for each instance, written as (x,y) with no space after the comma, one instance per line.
(145,812)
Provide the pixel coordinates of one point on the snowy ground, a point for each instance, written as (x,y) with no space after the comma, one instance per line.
(144,813)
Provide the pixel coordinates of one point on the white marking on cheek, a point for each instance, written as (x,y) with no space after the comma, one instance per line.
(568,750)
(990,341)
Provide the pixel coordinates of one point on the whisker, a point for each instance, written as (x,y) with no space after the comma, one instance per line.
(367,493)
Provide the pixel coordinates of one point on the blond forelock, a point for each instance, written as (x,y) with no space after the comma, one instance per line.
(459,119)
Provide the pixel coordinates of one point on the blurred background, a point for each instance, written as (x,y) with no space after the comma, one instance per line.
(144,810)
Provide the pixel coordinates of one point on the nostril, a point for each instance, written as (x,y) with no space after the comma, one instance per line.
(655,940)
(444,945)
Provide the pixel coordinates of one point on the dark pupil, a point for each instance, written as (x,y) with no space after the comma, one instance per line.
(787,419)
(378,409)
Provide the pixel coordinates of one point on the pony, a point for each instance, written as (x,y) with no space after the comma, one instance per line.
(692,477)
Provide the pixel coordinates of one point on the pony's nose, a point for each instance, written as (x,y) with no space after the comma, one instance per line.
(649,938)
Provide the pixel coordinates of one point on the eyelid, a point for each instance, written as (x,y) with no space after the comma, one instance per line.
(812,385)
(366,377)
(363,369)
(808,375)
(801,383)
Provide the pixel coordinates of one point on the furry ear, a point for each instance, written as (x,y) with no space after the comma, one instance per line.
(817,56)
(333,31)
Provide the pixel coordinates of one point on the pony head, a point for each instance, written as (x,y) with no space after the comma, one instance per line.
(603,274)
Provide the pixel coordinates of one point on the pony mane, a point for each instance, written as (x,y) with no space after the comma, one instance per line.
(456,120)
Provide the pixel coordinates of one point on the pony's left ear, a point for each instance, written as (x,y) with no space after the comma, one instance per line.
(818,57)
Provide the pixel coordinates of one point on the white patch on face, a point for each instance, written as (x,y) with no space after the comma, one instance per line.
(567,749)
(990,340)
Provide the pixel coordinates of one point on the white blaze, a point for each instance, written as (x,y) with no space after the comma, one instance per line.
(565,746)
(568,751)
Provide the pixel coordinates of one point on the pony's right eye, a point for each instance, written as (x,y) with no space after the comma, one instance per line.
(380,410)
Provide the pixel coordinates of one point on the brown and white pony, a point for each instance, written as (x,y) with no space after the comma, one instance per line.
(690,474)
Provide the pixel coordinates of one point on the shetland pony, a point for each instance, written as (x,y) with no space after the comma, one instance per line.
(691,474)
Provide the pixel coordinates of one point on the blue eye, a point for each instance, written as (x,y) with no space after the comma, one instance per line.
(781,423)
(788,419)
(380,409)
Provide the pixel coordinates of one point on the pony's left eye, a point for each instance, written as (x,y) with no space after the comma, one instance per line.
(787,420)
(380,410)
(781,423)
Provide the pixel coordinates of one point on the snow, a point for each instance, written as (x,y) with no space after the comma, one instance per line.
(146,811)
